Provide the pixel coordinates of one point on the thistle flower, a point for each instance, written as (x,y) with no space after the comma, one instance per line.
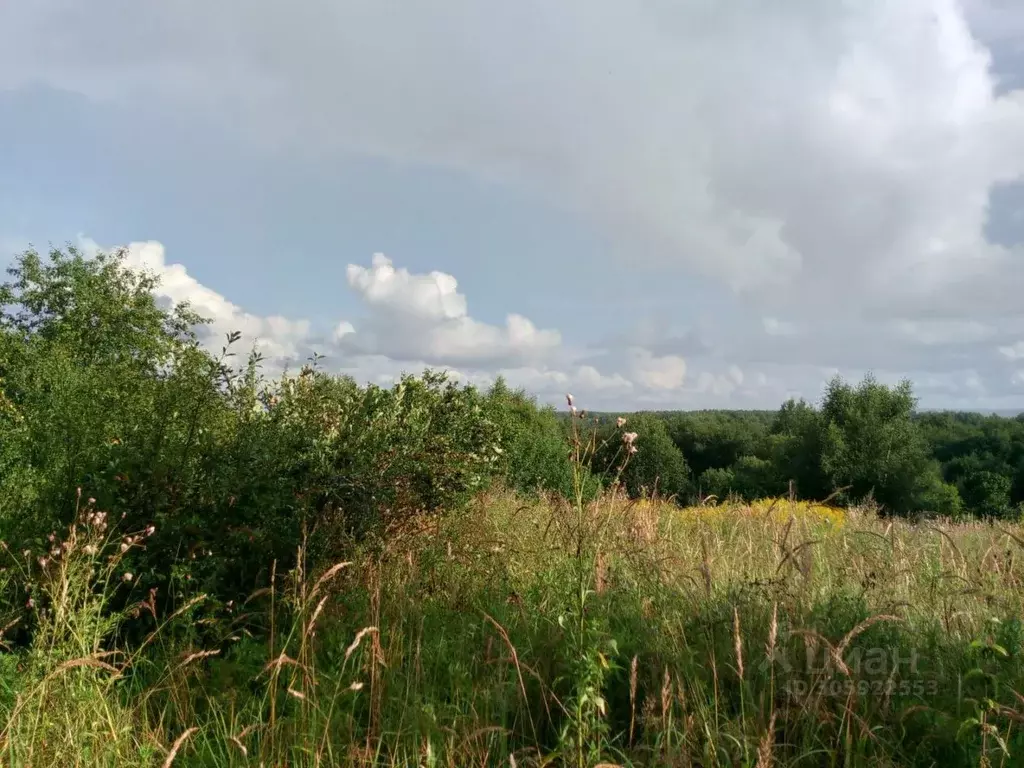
(620,422)
(127,577)
(568,399)
(629,438)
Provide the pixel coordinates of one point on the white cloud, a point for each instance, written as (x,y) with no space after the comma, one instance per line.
(935,332)
(278,338)
(828,145)
(427,297)
(423,317)
(664,372)
(1013,351)
(833,160)
(417,321)
(775,327)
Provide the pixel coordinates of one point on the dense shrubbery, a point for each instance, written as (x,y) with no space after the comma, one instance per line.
(103,389)
(410,610)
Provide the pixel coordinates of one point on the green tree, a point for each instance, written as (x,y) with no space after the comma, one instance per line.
(535,452)
(795,450)
(872,446)
(987,494)
(657,466)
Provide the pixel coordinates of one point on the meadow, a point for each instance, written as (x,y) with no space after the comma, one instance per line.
(201,566)
(525,633)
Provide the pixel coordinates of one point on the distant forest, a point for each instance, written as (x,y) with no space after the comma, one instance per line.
(865,442)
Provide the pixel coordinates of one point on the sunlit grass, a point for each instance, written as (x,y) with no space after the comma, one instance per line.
(724,635)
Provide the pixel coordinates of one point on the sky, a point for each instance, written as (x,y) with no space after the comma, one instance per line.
(653,205)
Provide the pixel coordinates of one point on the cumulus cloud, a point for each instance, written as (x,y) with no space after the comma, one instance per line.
(415,322)
(666,372)
(278,338)
(823,145)
(830,161)
(424,317)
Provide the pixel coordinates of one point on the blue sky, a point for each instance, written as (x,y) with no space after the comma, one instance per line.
(652,205)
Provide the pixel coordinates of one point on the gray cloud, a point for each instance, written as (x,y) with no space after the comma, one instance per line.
(831,162)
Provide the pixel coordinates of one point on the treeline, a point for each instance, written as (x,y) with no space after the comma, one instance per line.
(109,401)
(865,442)
(104,390)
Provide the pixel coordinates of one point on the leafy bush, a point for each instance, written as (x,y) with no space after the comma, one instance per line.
(657,466)
(103,389)
(535,452)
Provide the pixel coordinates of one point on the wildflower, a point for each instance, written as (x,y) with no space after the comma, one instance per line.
(55,552)
(3,545)
(127,577)
(629,438)
(91,501)
(124,547)
(568,399)
(42,561)
(151,530)
(50,538)
(27,553)
(89,549)
(30,603)
(630,449)
(620,422)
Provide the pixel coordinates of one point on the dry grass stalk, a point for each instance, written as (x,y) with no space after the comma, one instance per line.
(773,632)
(358,639)
(281,661)
(764,749)
(177,746)
(840,650)
(197,656)
(632,697)
(329,574)
(519,672)
(241,747)
(737,642)
(316,613)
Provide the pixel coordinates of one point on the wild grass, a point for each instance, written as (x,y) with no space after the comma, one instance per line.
(775,634)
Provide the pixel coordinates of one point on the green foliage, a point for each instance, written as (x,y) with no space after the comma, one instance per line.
(871,446)
(535,453)
(795,447)
(408,618)
(987,493)
(657,466)
(103,389)
(716,439)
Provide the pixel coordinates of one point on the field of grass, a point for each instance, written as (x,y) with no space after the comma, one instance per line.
(525,632)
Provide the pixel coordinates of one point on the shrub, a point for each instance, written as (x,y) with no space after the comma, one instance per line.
(657,466)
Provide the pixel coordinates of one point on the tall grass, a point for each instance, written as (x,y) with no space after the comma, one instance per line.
(536,632)
(732,638)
